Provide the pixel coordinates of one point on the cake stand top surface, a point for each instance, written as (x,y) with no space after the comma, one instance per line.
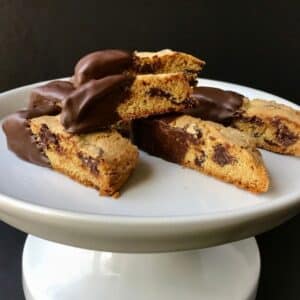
(163,207)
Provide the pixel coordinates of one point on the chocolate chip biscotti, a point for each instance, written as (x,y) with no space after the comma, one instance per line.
(207,147)
(103,160)
(103,63)
(100,103)
(274,126)
(167,61)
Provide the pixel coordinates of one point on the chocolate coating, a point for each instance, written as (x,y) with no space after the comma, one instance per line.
(156,137)
(214,104)
(103,63)
(19,137)
(50,95)
(94,105)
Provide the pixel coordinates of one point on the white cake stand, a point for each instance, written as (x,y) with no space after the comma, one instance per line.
(163,208)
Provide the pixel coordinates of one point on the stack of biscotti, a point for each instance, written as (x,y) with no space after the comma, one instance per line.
(74,126)
(191,139)
(226,147)
(70,125)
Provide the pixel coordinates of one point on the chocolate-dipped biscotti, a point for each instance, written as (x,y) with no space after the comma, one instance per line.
(71,125)
(103,102)
(205,146)
(274,127)
(107,87)
(68,124)
(103,160)
(103,63)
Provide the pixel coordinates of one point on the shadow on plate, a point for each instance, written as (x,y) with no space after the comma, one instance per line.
(141,174)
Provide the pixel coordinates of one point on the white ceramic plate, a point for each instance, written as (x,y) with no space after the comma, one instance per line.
(163,207)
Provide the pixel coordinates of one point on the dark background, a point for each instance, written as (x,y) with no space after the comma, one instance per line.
(254,43)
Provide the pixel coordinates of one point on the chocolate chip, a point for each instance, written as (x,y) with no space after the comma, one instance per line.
(195,136)
(198,132)
(200,158)
(257,134)
(283,135)
(47,138)
(253,120)
(191,76)
(157,92)
(146,68)
(192,81)
(221,156)
(271,143)
(100,152)
(89,162)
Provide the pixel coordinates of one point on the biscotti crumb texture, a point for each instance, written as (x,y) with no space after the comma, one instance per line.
(275,127)
(154,95)
(101,160)
(210,148)
(167,61)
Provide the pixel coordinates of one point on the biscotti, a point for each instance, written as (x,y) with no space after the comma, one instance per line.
(103,63)
(100,103)
(167,61)
(103,160)
(208,147)
(275,127)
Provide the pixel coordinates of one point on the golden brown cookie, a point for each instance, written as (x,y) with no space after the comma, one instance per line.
(274,126)
(208,147)
(103,160)
(167,61)
(155,94)
(101,103)
(97,65)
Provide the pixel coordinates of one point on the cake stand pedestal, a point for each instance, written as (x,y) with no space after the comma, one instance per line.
(55,271)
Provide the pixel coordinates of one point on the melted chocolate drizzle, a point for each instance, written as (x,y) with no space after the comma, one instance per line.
(19,137)
(103,63)
(214,104)
(94,105)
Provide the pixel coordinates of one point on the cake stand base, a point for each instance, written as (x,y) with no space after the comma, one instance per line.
(54,271)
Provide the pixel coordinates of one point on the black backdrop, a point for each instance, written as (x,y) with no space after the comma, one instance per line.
(255,43)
